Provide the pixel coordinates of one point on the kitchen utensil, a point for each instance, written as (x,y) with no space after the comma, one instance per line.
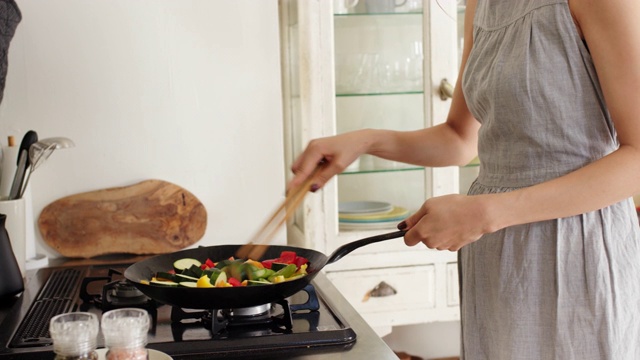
(40,151)
(23,163)
(242,296)
(266,233)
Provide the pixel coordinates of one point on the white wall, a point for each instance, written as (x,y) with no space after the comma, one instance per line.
(184,91)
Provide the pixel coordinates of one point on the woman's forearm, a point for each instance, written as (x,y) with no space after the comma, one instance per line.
(436,146)
(597,185)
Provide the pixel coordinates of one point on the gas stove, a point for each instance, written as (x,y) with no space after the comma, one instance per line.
(305,323)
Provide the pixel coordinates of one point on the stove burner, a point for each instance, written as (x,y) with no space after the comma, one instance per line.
(248,311)
(125,289)
(116,294)
(277,316)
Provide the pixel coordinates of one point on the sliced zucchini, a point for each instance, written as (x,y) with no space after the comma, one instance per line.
(161,275)
(183,264)
(213,274)
(182,277)
(163,283)
(258,282)
(221,279)
(196,270)
(190,284)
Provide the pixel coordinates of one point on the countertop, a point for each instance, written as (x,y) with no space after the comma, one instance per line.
(368,344)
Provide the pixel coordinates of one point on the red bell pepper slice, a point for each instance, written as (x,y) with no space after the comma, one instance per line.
(287,257)
(234,282)
(300,261)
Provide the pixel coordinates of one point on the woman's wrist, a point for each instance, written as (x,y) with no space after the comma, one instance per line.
(498,210)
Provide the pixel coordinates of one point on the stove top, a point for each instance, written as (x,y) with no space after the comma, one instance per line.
(307,322)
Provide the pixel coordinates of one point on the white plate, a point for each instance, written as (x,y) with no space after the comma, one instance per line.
(369,226)
(153,355)
(363,207)
(397,213)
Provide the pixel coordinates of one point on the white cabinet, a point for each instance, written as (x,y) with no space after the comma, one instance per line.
(372,68)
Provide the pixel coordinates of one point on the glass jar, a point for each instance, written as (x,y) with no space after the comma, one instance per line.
(75,336)
(125,334)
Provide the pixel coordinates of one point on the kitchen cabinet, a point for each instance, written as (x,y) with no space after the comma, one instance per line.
(365,67)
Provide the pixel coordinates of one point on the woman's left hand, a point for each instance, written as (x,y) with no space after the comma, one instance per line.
(447,222)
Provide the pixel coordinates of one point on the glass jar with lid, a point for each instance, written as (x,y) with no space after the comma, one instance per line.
(125,333)
(74,336)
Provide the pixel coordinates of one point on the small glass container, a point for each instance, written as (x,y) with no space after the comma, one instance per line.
(125,334)
(75,336)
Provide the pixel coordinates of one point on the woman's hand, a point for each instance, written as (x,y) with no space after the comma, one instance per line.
(336,152)
(448,222)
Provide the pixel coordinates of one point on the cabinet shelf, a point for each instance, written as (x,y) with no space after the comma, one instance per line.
(400,169)
(366,14)
(372,171)
(383,93)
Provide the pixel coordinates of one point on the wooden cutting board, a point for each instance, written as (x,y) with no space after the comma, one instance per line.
(150,217)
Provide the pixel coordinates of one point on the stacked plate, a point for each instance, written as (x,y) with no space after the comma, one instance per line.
(367,215)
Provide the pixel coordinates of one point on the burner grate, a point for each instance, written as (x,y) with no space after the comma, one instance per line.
(55,298)
(61,284)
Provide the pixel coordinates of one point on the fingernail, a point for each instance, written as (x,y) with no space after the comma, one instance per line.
(402,225)
(315,187)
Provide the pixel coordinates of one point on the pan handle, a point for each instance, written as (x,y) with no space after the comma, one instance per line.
(349,247)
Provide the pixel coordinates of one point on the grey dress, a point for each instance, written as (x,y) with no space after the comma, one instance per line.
(561,289)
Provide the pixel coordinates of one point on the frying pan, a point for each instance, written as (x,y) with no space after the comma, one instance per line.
(235,297)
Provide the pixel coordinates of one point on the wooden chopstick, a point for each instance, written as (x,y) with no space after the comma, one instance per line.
(257,247)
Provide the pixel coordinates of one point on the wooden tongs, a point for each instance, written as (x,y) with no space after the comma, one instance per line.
(256,247)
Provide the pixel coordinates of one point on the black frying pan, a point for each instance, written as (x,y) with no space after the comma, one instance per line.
(235,297)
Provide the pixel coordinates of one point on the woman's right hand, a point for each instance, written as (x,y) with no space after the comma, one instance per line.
(337,152)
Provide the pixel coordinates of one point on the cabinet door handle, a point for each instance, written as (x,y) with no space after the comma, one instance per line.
(446,90)
(380,290)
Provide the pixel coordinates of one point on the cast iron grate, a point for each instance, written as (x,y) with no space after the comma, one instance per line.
(55,298)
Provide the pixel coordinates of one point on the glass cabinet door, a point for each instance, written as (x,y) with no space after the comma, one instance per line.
(379,62)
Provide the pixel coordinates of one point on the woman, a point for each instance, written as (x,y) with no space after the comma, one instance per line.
(548,235)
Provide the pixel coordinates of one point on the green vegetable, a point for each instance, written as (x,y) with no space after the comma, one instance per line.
(213,275)
(182,277)
(190,284)
(285,272)
(166,276)
(258,282)
(196,271)
(183,264)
